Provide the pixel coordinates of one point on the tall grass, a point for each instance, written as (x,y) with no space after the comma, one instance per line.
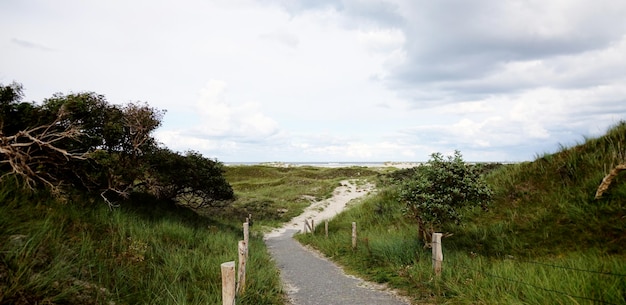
(545,240)
(146,252)
(77,251)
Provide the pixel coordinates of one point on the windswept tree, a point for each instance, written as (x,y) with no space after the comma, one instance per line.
(35,144)
(81,141)
(439,190)
(190,179)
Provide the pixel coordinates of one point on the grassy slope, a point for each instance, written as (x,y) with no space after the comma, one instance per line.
(544,215)
(549,205)
(149,252)
(146,252)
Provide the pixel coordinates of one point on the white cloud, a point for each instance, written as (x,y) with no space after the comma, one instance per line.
(221,118)
(332,80)
(222,123)
(381,40)
(283,37)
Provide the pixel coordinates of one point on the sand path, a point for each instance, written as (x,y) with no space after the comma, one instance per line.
(322,210)
(311,279)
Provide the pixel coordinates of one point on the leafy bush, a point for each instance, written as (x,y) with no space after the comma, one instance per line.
(440,189)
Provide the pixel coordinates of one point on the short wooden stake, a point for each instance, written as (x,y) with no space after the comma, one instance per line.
(326,228)
(246,232)
(437,253)
(241,272)
(312,226)
(354,235)
(228,283)
(308,225)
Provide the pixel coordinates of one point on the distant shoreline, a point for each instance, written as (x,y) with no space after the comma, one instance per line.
(396,164)
(328,164)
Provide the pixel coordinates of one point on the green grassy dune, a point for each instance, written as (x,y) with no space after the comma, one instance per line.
(544,240)
(75,250)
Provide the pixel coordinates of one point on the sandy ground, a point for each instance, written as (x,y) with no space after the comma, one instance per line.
(319,211)
(325,282)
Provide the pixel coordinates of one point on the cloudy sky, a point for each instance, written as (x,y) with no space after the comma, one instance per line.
(335,80)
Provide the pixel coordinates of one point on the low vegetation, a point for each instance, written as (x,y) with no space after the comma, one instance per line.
(94,211)
(544,240)
(147,251)
(275,194)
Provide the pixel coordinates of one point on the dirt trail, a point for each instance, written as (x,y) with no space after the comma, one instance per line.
(311,279)
(326,209)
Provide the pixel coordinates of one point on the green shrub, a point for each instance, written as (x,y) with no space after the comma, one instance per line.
(439,190)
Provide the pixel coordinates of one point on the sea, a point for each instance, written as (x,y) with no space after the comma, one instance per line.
(396,164)
(329,164)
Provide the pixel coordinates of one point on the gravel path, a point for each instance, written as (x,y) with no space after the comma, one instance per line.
(313,280)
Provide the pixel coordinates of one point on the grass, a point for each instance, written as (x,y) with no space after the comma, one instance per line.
(545,240)
(77,251)
(146,252)
(274,195)
(542,235)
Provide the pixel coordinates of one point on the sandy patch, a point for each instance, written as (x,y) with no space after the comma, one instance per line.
(322,210)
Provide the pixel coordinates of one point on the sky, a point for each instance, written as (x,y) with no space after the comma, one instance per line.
(335,80)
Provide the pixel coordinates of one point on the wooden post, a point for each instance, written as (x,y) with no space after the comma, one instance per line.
(246,233)
(228,283)
(437,253)
(353,235)
(308,225)
(312,226)
(241,272)
(326,228)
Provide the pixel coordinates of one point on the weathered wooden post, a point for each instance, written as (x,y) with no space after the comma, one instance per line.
(308,225)
(228,283)
(437,253)
(241,272)
(353,235)
(326,228)
(312,226)
(246,232)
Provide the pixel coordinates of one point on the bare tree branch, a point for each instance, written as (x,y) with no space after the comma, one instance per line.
(608,179)
(28,150)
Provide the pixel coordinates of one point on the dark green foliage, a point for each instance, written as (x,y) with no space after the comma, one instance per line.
(101,124)
(439,190)
(191,179)
(15,112)
(81,142)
